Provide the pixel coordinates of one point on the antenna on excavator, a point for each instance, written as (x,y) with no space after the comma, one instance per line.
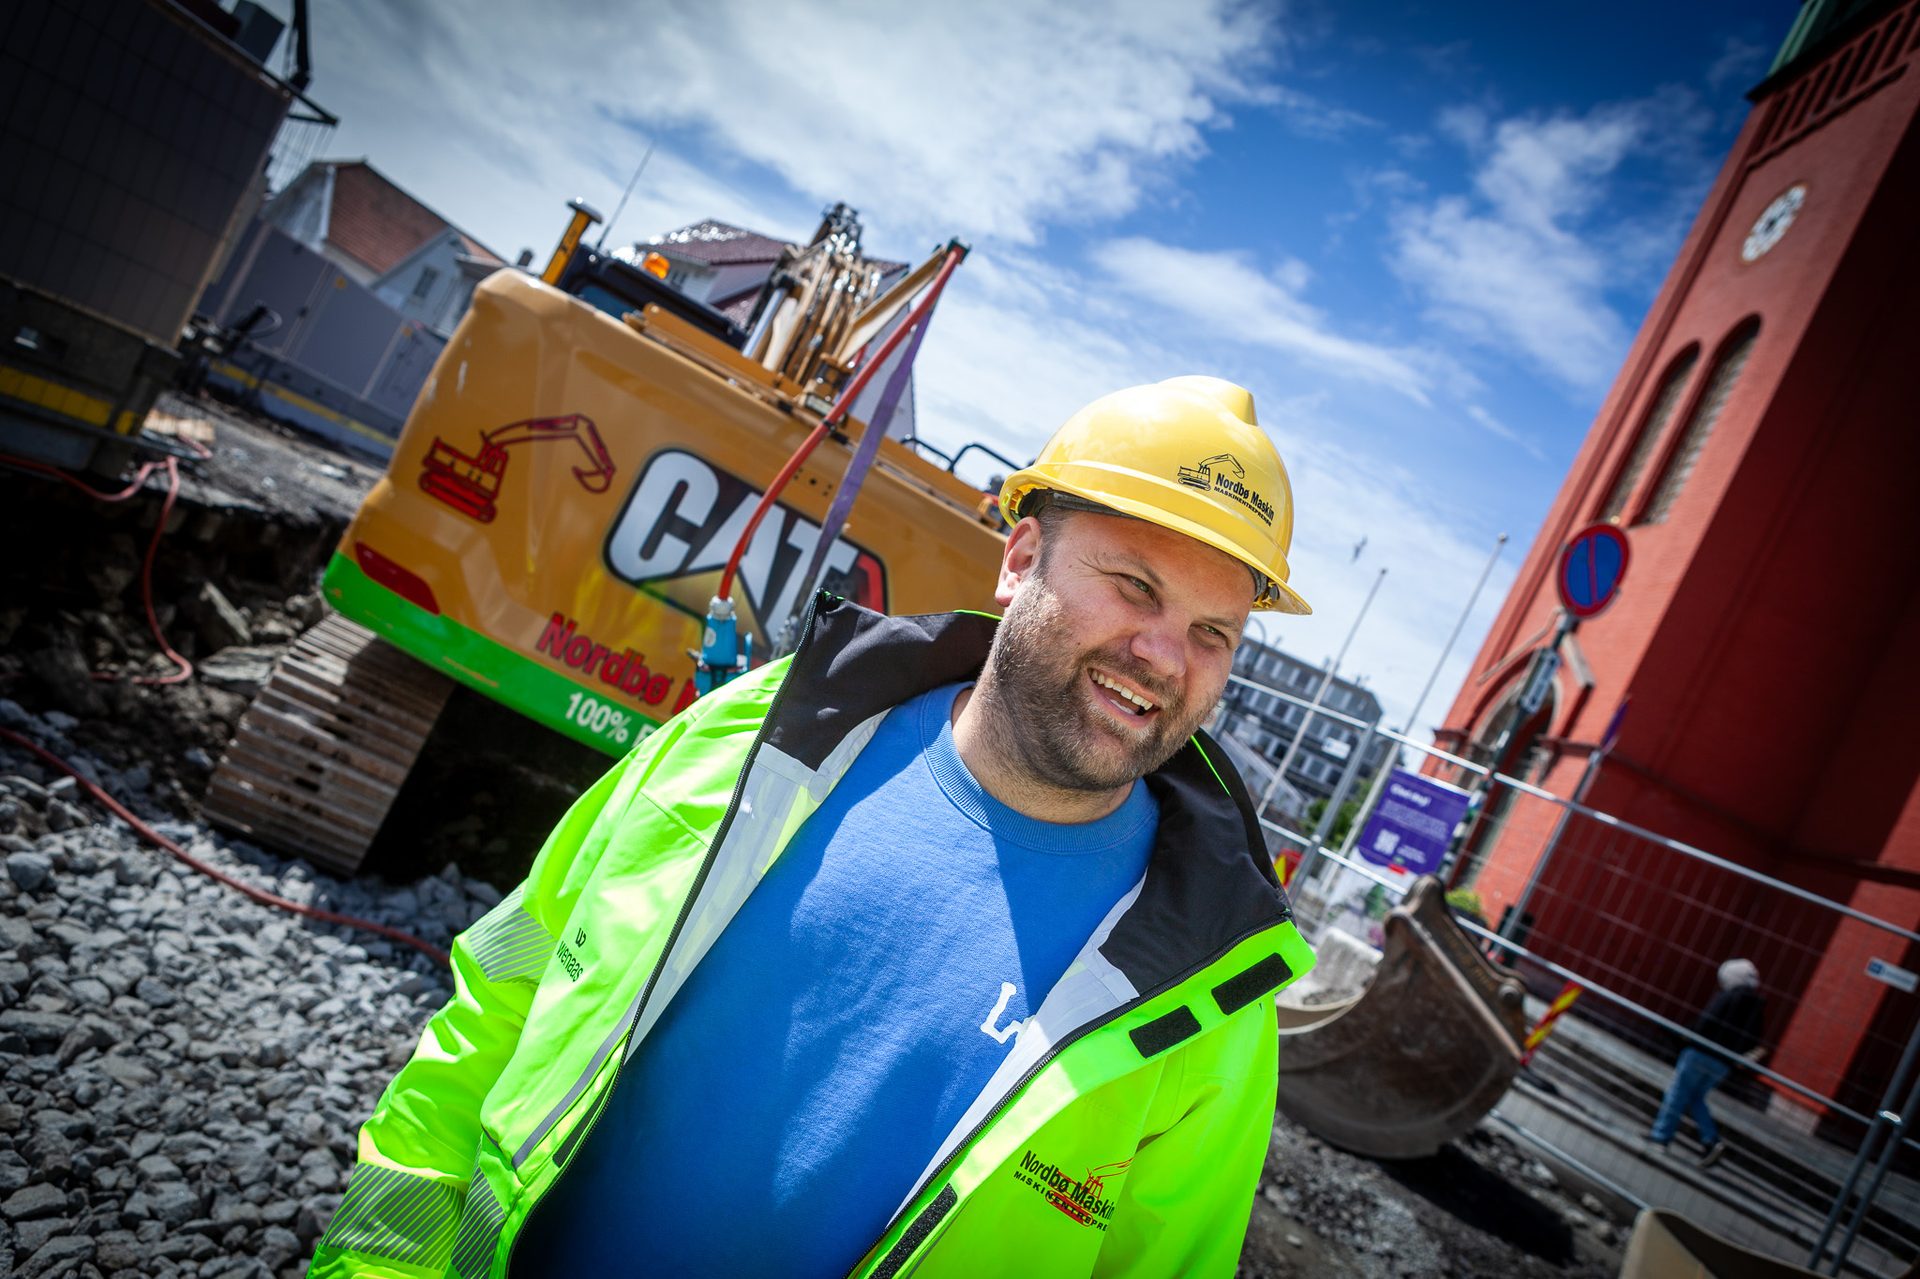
(631,184)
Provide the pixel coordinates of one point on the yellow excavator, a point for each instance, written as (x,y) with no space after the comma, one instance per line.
(607,498)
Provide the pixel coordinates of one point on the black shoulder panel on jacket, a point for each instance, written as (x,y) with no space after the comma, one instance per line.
(857,663)
(1208,883)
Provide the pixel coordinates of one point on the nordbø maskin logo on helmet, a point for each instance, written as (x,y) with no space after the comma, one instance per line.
(1223,474)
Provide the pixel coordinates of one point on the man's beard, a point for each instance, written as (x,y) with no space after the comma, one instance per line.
(1040,704)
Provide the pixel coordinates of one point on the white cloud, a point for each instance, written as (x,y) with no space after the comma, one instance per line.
(1312,117)
(991,120)
(483,119)
(1495,427)
(1740,63)
(1231,297)
(1523,264)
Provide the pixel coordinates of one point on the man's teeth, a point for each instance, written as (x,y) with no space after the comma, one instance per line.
(1127,693)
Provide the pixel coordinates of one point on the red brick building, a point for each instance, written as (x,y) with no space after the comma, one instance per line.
(1761,447)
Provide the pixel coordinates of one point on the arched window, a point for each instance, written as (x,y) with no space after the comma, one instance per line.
(1706,411)
(1651,430)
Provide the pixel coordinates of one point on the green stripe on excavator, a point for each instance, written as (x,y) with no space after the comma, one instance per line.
(485,665)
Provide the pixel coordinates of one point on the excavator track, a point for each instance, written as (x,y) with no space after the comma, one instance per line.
(325,747)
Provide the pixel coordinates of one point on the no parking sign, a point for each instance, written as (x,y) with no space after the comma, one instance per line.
(1591,567)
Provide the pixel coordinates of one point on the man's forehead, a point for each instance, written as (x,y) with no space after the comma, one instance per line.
(1174,557)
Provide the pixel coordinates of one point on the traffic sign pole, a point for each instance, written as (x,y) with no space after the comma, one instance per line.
(1592,565)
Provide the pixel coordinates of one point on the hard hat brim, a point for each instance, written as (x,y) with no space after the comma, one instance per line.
(1277,598)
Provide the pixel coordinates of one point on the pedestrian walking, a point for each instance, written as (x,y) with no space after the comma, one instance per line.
(945,946)
(1732,1022)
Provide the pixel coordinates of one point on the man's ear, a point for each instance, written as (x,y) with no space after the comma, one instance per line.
(1019,560)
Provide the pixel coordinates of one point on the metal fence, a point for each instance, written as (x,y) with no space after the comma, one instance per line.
(1822,1162)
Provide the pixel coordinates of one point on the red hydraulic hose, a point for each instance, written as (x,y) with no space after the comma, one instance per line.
(857,384)
(260,895)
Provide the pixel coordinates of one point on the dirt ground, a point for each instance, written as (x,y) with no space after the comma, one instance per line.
(236,578)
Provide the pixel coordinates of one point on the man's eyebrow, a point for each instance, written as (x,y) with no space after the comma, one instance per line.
(1132,563)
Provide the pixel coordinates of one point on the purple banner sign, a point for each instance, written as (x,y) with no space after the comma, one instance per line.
(1413,823)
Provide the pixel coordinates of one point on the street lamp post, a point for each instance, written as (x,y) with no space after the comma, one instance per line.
(1293,747)
(1413,717)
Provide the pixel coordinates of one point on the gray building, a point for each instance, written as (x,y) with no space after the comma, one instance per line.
(1266,723)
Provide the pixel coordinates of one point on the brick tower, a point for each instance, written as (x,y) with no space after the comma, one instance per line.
(1761,447)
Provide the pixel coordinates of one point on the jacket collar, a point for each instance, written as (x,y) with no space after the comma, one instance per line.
(1209,882)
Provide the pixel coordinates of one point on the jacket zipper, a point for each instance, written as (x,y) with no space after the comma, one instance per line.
(586,1126)
(1079,1032)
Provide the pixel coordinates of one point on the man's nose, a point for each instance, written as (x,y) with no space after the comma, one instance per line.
(1162,648)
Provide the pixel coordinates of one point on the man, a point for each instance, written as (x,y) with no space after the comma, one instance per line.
(940,948)
(1732,1021)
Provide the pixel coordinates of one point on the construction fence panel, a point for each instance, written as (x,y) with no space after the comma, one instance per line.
(1823,1157)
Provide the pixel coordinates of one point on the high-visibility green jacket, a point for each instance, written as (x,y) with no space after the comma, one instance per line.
(1123,1134)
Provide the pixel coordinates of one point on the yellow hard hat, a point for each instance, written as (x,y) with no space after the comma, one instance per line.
(1186,454)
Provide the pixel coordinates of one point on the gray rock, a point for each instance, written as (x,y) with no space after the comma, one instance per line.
(29,870)
(230,1210)
(29,1202)
(47,1028)
(154,993)
(135,870)
(242,670)
(175,1203)
(62,1250)
(278,1246)
(158,1168)
(119,1250)
(82,1039)
(62,816)
(219,623)
(126,1071)
(20,937)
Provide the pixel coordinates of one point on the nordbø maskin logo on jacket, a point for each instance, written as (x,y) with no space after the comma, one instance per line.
(1087,1201)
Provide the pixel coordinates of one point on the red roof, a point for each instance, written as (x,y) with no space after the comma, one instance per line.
(375,223)
(719,244)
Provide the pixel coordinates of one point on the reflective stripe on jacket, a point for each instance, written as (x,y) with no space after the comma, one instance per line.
(1123,1134)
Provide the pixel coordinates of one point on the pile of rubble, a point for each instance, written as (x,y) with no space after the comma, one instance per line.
(1482,1206)
(184,1068)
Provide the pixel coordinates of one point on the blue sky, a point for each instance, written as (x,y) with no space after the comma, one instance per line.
(1423,234)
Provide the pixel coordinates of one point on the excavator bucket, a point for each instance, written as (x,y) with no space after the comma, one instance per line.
(1417,1057)
(1666,1245)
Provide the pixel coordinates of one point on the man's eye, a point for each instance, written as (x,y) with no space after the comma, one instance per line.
(1140,586)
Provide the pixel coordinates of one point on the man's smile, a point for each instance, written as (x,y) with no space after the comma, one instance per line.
(1126,701)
